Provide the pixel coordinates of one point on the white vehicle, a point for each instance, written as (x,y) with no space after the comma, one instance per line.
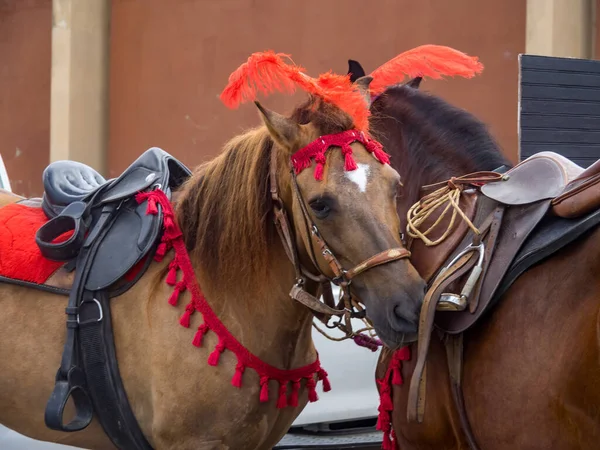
(344,416)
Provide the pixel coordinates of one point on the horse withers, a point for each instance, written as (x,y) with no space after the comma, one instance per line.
(530,376)
(294,204)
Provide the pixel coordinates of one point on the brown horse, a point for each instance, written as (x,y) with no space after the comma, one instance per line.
(531,374)
(226,215)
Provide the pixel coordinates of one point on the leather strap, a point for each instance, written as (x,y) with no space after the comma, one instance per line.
(328,308)
(311,302)
(490,245)
(454,354)
(416,394)
(383,257)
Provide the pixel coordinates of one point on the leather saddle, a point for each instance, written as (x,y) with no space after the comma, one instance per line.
(523,217)
(542,204)
(110,233)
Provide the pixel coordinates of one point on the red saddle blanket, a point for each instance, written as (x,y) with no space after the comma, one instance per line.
(20,257)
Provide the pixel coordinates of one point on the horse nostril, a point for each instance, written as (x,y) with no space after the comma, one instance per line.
(403,322)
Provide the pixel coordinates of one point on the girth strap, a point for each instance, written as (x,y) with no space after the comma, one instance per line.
(454,354)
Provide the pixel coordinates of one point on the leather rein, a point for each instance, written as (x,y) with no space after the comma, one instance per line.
(347,307)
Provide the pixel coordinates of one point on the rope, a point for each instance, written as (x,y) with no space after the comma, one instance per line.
(448,195)
(368,329)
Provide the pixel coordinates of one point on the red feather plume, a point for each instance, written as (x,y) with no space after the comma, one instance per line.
(267,72)
(434,61)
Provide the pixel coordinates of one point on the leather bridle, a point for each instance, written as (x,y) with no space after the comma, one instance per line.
(347,307)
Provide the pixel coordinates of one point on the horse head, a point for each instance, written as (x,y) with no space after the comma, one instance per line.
(340,192)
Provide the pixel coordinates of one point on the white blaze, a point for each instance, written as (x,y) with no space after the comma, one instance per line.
(360,176)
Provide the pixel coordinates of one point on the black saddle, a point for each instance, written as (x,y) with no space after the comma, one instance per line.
(66,182)
(111,234)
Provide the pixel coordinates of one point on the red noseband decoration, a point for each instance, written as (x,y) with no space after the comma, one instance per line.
(316,150)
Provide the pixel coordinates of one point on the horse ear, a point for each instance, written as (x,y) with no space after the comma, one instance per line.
(284,131)
(415,82)
(355,70)
(363,86)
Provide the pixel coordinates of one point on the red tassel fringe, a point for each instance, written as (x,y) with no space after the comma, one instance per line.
(202,330)
(323,377)
(213,358)
(349,163)
(172,238)
(264,389)
(282,399)
(392,376)
(185,318)
(294,395)
(172,275)
(317,150)
(151,208)
(311,385)
(237,376)
(174,298)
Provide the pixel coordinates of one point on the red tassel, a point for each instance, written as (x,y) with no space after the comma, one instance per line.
(349,163)
(319,171)
(264,389)
(172,275)
(282,399)
(151,208)
(381,156)
(213,358)
(386,400)
(202,330)
(174,298)
(294,395)
(185,318)
(387,442)
(161,251)
(168,222)
(397,376)
(237,376)
(312,391)
(323,377)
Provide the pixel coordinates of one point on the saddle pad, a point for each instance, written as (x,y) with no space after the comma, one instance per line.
(20,257)
(551,235)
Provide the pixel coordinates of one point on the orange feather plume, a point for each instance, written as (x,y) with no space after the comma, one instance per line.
(434,61)
(267,72)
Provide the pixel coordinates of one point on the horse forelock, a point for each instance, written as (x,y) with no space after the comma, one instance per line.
(224,209)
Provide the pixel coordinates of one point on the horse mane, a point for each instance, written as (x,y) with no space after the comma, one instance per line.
(224,209)
(430,140)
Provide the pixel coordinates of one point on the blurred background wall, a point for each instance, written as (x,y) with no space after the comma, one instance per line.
(100,81)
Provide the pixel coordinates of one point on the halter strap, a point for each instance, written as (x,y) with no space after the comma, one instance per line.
(322,310)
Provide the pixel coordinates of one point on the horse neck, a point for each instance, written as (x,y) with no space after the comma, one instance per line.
(264,317)
(431,141)
(444,164)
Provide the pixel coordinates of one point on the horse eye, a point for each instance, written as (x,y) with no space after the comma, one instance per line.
(320,208)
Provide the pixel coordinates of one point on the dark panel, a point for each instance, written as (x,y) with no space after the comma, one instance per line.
(559,107)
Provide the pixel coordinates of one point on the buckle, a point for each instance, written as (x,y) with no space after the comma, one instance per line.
(92,319)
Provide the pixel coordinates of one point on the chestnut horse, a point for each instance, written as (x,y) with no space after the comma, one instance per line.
(531,373)
(226,215)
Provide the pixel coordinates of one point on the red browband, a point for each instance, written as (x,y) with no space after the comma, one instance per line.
(316,150)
